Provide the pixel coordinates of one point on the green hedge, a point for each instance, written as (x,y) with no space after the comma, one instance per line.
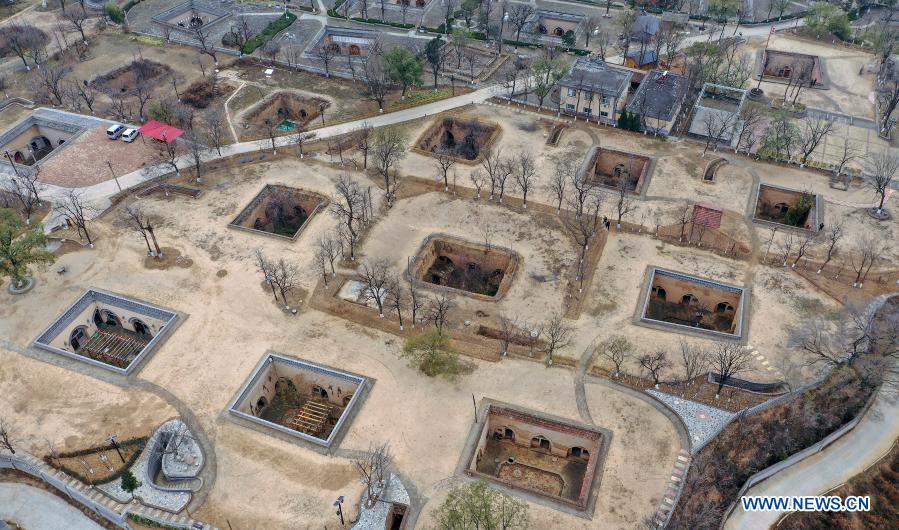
(383,22)
(269,32)
(115,13)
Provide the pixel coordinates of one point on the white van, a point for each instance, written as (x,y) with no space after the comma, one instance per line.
(114,131)
(129,135)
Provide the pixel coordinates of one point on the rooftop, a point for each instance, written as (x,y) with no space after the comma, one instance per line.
(659,95)
(597,76)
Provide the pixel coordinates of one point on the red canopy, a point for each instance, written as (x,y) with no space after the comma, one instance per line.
(160,131)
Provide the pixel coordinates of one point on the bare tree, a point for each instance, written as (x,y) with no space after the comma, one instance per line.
(374,468)
(416,303)
(497,169)
(728,360)
(564,169)
(847,153)
(329,247)
(285,276)
(375,77)
(694,360)
(365,139)
(25,189)
(22,40)
(716,126)
(396,297)
(617,350)
(745,130)
(77,19)
(390,148)
(74,209)
(6,441)
(49,79)
(214,131)
(374,276)
(806,241)
(882,167)
(814,131)
(349,208)
(591,25)
(833,236)
(525,171)
(442,164)
(624,202)
(557,335)
(508,330)
(826,344)
(207,46)
(862,257)
(87,93)
(518,18)
(478,179)
(439,310)
(654,363)
(142,223)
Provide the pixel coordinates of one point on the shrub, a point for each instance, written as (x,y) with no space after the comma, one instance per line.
(431,354)
(115,13)
(797,215)
(199,94)
(269,32)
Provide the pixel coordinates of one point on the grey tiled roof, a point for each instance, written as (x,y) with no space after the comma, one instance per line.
(597,76)
(659,96)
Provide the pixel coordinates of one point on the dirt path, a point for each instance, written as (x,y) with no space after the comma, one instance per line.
(228,112)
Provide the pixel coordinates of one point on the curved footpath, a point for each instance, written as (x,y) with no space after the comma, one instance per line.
(36,509)
(854,452)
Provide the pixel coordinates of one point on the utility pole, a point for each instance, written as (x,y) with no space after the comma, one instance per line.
(114,177)
(339,504)
(115,445)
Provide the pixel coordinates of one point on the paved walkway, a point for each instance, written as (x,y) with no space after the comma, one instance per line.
(36,509)
(854,452)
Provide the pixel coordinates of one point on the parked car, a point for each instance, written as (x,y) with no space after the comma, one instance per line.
(129,135)
(114,131)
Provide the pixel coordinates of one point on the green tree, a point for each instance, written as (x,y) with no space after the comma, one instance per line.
(547,73)
(403,68)
(477,506)
(828,18)
(568,39)
(430,353)
(115,13)
(19,252)
(434,55)
(797,215)
(130,482)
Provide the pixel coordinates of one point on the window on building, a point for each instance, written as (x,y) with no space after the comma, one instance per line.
(569,106)
(588,96)
(604,114)
(572,92)
(588,110)
(605,100)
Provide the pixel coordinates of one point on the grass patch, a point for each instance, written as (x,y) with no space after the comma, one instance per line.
(269,32)
(810,307)
(149,40)
(132,448)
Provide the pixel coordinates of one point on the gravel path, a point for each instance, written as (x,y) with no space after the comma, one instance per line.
(703,422)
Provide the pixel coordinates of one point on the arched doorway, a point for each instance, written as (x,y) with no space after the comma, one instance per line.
(261,403)
(140,327)
(540,442)
(724,307)
(542,29)
(689,299)
(19,157)
(579,452)
(355,50)
(659,292)
(334,47)
(559,32)
(319,392)
(78,338)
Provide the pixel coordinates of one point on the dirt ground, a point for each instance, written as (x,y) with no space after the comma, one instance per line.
(848,92)
(230,322)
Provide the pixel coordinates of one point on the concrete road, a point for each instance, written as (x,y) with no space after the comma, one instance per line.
(36,509)
(839,462)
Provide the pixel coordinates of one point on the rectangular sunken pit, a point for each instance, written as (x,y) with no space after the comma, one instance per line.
(615,169)
(691,303)
(526,450)
(299,398)
(783,66)
(279,211)
(466,140)
(464,267)
(108,330)
(788,208)
(191,16)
